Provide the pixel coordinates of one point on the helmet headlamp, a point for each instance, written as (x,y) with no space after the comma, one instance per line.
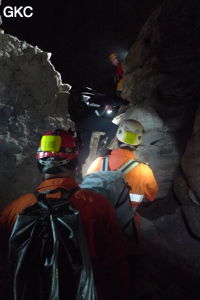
(51,143)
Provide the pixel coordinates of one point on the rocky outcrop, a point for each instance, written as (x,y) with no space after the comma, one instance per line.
(162,83)
(191,159)
(186,184)
(32,100)
(162,75)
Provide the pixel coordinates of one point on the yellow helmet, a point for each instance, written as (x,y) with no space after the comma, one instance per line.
(130,132)
(112,56)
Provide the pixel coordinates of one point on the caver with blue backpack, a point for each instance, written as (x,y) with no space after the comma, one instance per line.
(142,182)
(111,184)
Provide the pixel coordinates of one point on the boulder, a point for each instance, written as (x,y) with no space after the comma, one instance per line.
(33,100)
(162,83)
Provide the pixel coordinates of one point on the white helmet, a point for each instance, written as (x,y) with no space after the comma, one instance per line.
(130,132)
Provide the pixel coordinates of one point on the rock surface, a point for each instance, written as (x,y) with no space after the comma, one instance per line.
(162,83)
(32,101)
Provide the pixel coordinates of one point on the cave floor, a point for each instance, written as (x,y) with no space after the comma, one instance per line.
(167,265)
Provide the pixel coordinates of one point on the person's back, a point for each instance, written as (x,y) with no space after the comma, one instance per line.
(118,76)
(141,179)
(103,236)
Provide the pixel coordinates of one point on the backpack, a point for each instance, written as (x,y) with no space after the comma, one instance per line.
(48,255)
(111,185)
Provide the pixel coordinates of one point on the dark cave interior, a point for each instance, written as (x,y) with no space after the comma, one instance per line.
(160,40)
(81,35)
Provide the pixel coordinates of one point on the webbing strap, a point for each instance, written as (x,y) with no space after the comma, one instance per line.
(127,167)
(104,164)
(65,193)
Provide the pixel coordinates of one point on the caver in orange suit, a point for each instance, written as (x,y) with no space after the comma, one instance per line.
(141,178)
(103,235)
(56,159)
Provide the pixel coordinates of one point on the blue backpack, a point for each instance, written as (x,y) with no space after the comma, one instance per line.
(111,185)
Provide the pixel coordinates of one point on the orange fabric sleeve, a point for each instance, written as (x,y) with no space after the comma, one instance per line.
(101,227)
(105,245)
(142,181)
(114,278)
(9,214)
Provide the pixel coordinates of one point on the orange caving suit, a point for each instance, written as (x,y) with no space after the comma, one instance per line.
(119,75)
(141,178)
(104,240)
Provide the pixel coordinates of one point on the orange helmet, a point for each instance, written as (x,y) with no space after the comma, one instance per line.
(112,56)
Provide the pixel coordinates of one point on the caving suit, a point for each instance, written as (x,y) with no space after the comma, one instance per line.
(140,179)
(104,240)
(119,77)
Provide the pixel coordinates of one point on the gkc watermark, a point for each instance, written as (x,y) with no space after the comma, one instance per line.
(15,11)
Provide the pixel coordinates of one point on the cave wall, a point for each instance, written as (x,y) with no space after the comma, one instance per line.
(162,82)
(33,100)
(191,159)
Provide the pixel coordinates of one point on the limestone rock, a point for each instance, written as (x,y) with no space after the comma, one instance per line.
(191,159)
(162,79)
(33,100)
